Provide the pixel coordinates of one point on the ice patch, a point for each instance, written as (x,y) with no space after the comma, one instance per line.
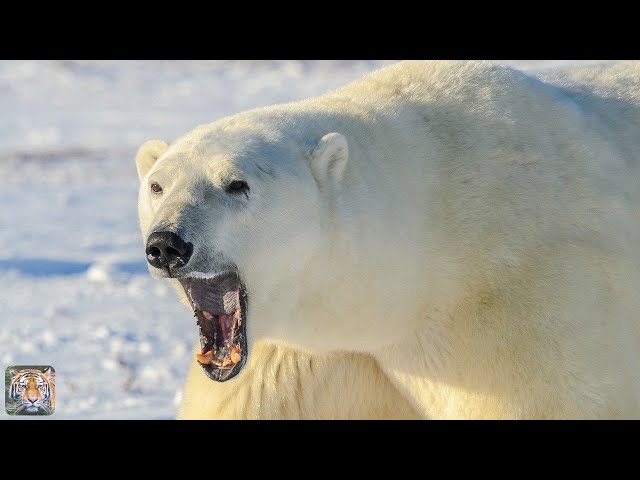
(132,402)
(160,289)
(101,332)
(27,347)
(49,338)
(109,364)
(116,345)
(179,350)
(177,398)
(154,373)
(100,273)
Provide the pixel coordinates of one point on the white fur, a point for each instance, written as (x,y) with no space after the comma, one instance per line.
(476,250)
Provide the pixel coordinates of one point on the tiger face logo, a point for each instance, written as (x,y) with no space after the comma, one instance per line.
(31,391)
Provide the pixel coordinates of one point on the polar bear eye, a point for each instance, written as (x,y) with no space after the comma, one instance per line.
(238,186)
(156,188)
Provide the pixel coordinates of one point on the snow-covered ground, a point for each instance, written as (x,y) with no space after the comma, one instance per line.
(75,289)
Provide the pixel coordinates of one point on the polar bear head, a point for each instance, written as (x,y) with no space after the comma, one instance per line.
(239,216)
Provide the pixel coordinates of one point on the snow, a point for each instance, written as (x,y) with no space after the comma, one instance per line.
(75,292)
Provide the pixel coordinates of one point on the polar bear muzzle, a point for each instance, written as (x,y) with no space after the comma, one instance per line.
(220,306)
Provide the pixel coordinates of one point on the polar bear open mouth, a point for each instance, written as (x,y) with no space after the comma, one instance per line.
(220,306)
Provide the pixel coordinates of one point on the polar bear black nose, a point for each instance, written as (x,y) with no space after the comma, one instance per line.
(168,250)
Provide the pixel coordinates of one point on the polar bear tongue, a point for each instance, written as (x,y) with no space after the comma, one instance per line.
(220,309)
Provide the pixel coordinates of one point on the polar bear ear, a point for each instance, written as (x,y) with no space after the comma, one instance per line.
(147,155)
(329,160)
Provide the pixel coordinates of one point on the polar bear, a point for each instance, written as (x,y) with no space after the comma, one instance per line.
(435,240)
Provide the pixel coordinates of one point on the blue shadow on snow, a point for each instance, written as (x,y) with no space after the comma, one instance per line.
(44,267)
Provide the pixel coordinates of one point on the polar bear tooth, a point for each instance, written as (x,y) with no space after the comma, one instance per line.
(235,355)
(206,358)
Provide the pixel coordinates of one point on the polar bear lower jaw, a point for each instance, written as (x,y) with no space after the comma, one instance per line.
(220,306)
